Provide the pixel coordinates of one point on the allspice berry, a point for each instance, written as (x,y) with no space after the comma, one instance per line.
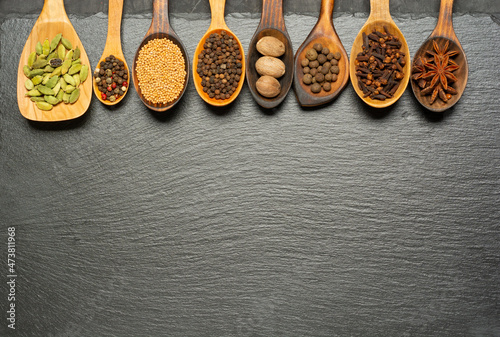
(311,54)
(327,86)
(307,79)
(316,88)
(320,68)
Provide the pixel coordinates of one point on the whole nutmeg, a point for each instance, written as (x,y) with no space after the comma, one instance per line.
(268,86)
(270,46)
(270,66)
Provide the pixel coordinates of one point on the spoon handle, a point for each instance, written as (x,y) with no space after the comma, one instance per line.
(379,10)
(53,9)
(444,26)
(326,11)
(272,15)
(217,8)
(115,10)
(160,17)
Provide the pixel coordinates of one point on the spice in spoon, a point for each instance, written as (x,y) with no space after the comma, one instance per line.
(161,71)
(379,67)
(320,68)
(111,78)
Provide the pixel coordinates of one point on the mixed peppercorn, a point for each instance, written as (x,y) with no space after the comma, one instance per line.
(111,78)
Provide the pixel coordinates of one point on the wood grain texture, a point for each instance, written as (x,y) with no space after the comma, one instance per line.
(342,221)
(272,23)
(113,46)
(324,33)
(52,21)
(159,29)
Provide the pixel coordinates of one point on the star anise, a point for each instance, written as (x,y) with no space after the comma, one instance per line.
(441,71)
(440,54)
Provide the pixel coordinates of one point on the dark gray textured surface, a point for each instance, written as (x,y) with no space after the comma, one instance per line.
(338,221)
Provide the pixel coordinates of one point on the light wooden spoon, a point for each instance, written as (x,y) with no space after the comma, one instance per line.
(441,34)
(113,46)
(52,21)
(217,25)
(324,33)
(379,19)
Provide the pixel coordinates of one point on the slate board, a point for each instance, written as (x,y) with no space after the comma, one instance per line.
(337,221)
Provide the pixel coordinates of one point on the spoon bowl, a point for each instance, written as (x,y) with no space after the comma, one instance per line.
(443,33)
(324,33)
(52,21)
(160,29)
(380,20)
(113,46)
(272,23)
(217,26)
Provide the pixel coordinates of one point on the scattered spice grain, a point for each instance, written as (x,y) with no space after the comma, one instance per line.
(161,71)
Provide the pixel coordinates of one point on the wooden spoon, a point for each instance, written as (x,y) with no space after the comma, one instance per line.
(217,25)
(379,18)
(113,45)
(324,33)
(272,23)
(160,28)
(441,34)
(52,21)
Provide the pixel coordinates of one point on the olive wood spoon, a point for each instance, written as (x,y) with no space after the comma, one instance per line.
(379,18)
(52,21)
(113,46)
(217,25)
(324,33)
(441,34)
(272,23)
(160,28)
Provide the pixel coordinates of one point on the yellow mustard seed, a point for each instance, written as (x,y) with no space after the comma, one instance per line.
(161,71)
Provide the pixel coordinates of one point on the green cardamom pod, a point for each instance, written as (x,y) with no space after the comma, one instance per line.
(66,43)
(44,106)
(39,64)
(69,56)
(57,88)
(65,66)
(27,71)
(63,83)
(36,72)
(45,90)
(46,78)
(33,92)
(84,72)
(74,96)
(77,61)
(38,48)
(31,59)
(61,52)
(41,57)
(37,99)
(48,69)
(76,53)
(46,47)
(29,85)
(69,79)
(37,79)
(76,77)
(69,89)
(55,41)
(51,99)
(51,56)
(65,98)
(56,72)
(51,83)
(75,69)
(60,95)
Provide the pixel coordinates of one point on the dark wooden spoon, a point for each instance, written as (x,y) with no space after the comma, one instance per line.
(272,23)
(441,34)
(160,28)
(324,33)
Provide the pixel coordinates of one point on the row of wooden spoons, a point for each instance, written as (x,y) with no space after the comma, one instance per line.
(53,20)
